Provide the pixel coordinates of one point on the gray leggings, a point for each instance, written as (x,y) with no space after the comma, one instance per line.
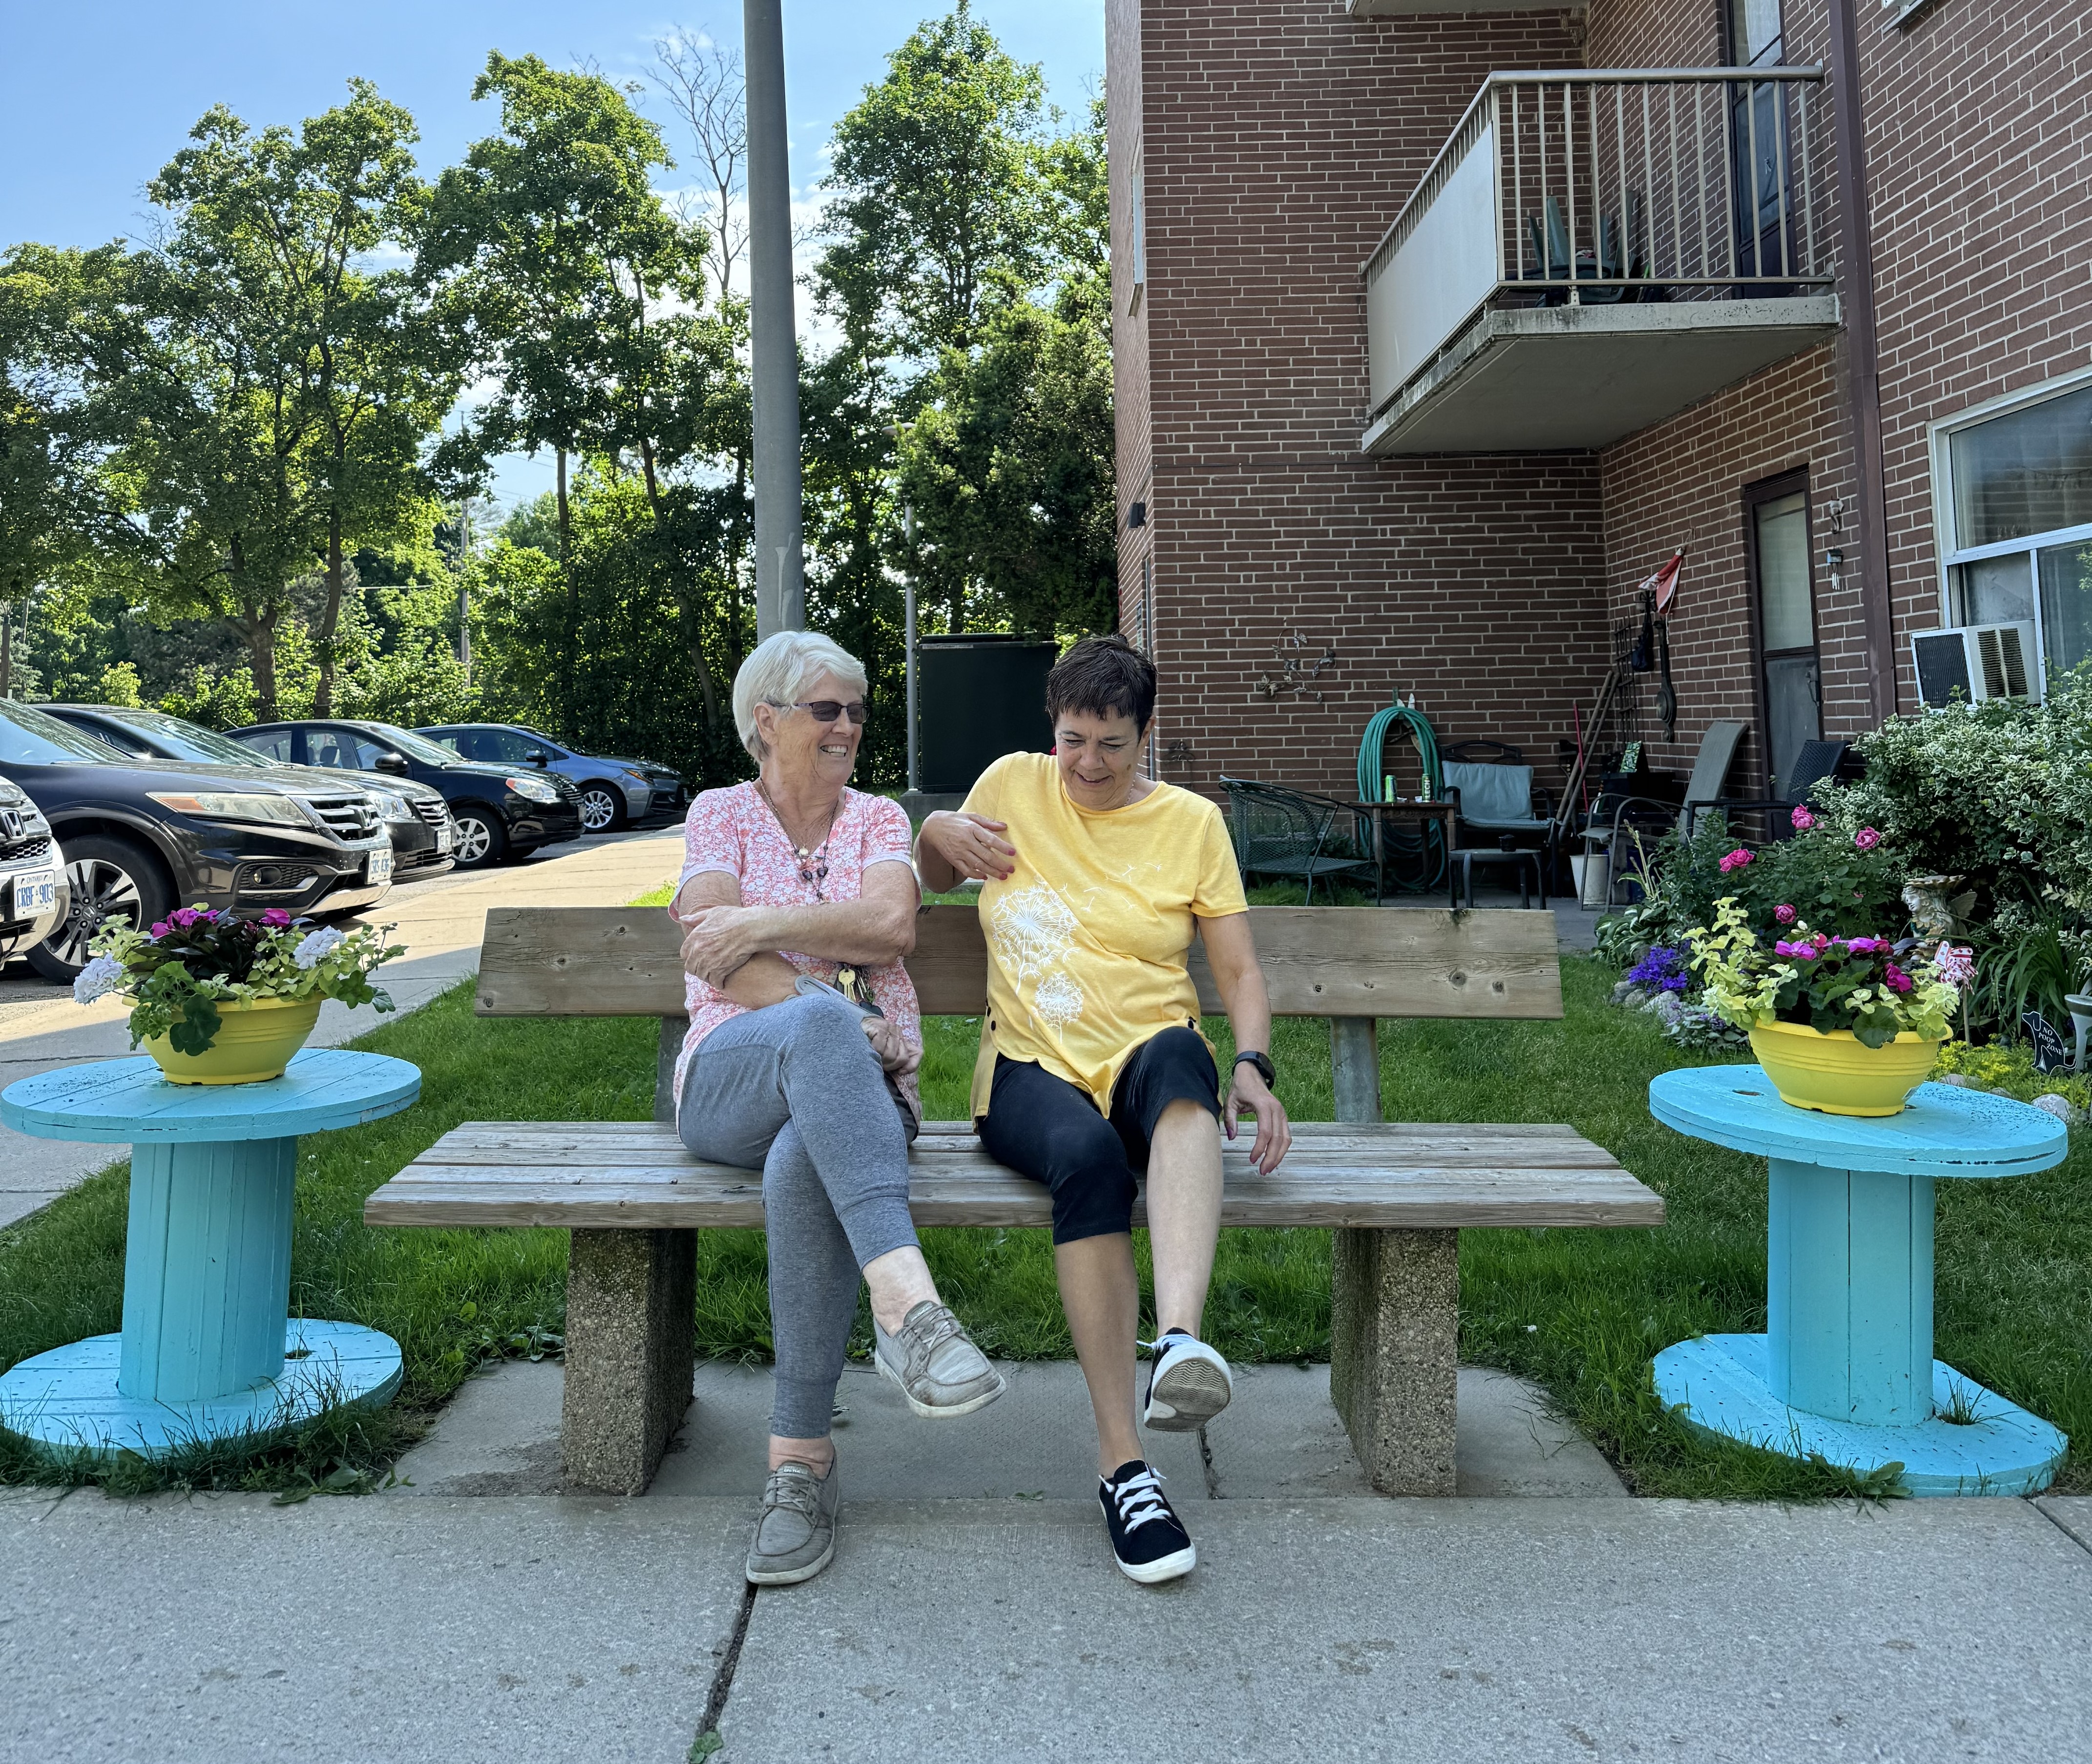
(794,1090)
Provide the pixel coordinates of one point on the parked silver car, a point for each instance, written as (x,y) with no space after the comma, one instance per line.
(34,895)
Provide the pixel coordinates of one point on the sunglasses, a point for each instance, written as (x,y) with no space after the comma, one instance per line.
(828,710)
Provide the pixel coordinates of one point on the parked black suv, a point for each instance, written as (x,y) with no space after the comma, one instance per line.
(416,817)
(501,811)
(142,836)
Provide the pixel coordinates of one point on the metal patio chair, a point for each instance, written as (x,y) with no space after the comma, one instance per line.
(1292,833)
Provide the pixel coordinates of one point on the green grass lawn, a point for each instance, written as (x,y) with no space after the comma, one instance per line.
(1580,1311)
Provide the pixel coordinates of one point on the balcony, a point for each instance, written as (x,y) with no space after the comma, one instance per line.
(1594,251)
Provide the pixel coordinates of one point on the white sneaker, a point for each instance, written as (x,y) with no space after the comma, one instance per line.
(1188,1385)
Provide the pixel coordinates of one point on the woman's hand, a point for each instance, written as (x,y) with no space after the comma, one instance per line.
(969,843)
(1274,1134)
(891,1046)
(718,939)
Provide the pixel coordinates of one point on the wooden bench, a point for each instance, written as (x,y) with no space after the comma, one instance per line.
(1397,1196)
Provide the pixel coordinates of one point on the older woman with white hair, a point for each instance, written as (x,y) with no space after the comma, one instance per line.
(798,900)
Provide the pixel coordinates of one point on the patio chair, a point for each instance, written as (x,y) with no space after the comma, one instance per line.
(1282,833)
(1817,763)
(1643,814)
(1493,794)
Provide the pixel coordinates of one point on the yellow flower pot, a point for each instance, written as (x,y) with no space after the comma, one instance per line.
(255,1041)
(1838,1073)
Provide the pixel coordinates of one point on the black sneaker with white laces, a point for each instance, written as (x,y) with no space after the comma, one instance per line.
(1147,1536)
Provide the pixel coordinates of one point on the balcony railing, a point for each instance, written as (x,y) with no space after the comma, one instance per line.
(1603,188)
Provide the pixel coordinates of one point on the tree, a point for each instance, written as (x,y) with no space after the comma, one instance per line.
(941,211)
(705,87)
(583,297)
(281,228)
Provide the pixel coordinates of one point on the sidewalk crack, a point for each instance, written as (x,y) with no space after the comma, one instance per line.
(1206,1459)
(2066,1531)
(708,1740)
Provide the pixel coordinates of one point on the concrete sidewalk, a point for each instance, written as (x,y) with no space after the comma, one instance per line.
(441,921)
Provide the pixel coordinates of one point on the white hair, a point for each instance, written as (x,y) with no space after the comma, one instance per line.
(777,670)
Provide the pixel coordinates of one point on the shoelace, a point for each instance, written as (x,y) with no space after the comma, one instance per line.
(795,1489)
(925,1339)
(1159,1347)
(1139,1499)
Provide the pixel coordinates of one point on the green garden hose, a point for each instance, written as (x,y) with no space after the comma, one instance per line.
(1427,841)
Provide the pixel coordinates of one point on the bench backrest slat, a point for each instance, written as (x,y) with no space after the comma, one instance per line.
(1318,961)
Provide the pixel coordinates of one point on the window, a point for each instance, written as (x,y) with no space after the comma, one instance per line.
(341,749)
(270,743)
(1754,33)
(2014,501)
(1791,682)
(1139,231)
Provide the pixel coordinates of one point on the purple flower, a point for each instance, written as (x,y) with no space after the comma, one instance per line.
(1895,979)
(1784,913)
(1802,818)
(186,918)
(1795,952)
(160,930)
(1866,839)
(275,918)
(1865,945)
(1663,970)
(1735,860)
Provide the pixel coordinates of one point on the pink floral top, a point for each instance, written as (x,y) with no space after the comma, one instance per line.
(733,831)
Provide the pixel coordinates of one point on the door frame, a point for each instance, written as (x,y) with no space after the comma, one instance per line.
(1755,496)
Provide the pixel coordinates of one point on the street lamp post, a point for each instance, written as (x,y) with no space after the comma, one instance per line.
(908,592)
(781,585)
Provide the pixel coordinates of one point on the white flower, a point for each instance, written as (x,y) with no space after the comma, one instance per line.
(317,947)
(98,979)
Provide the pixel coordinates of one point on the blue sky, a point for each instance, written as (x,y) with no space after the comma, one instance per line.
(95,99)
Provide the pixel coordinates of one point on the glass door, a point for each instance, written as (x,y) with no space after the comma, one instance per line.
(1759,149)
(1782,584)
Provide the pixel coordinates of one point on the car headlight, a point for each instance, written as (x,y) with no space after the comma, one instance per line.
(392,807)
(221,806)
(533,789)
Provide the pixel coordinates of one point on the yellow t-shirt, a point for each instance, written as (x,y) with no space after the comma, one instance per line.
(1087,939)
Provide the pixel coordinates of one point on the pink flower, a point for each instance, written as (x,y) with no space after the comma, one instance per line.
(1895,979)
(1866,839)
(160,930)
(1802,818)
(276,918)
(1819,939)
(1735,860)
(1865,945)
(1796,952)
(1784,914)
(184,917)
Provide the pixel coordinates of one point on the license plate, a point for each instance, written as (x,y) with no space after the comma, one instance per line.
(378,868)
(36,891)
(443,839)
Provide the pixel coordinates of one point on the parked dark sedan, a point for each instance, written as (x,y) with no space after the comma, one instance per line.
(416,817)
(615,792)
(142,836)
(501,811)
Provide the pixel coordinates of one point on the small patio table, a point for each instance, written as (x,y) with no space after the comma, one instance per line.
(1441,810)
(206,1351)
(1845,1367)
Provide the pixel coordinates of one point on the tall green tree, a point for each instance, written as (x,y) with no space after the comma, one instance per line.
(940,210)
(583,296)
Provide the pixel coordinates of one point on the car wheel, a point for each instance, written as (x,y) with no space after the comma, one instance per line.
(111,878)
(602,809)
(480,840)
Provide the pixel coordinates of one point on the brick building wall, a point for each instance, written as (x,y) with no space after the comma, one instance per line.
(1275,143)
(1276,140)
(1977,130)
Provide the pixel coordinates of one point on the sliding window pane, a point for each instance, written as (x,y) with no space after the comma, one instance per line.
(2030,472)
(2066,605)
(1994,590)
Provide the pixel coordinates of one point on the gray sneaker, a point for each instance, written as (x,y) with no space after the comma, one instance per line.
(795,1532)
(935,1363)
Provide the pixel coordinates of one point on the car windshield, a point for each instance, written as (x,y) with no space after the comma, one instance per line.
(414,746)
(29,738)
(189,741)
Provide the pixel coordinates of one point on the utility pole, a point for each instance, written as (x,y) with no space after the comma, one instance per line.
(781,585)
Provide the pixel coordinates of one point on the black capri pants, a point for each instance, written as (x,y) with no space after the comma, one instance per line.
(1046,1128)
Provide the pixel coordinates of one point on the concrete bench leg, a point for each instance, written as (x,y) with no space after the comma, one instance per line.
(631,1348)
(1393,1354)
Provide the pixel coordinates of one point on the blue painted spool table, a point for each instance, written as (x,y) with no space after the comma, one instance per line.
(1845,1368)
(207,1349)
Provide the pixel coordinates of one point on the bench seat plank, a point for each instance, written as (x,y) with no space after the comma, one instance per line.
(1393,1177)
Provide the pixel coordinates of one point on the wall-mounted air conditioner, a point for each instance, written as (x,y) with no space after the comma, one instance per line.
(1977,661)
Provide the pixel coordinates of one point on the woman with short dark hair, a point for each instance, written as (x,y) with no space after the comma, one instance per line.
(1092,1069)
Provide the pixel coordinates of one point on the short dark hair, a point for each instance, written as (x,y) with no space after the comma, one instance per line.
(1103,676)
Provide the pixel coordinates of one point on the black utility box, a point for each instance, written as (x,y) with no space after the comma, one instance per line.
(980,697)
